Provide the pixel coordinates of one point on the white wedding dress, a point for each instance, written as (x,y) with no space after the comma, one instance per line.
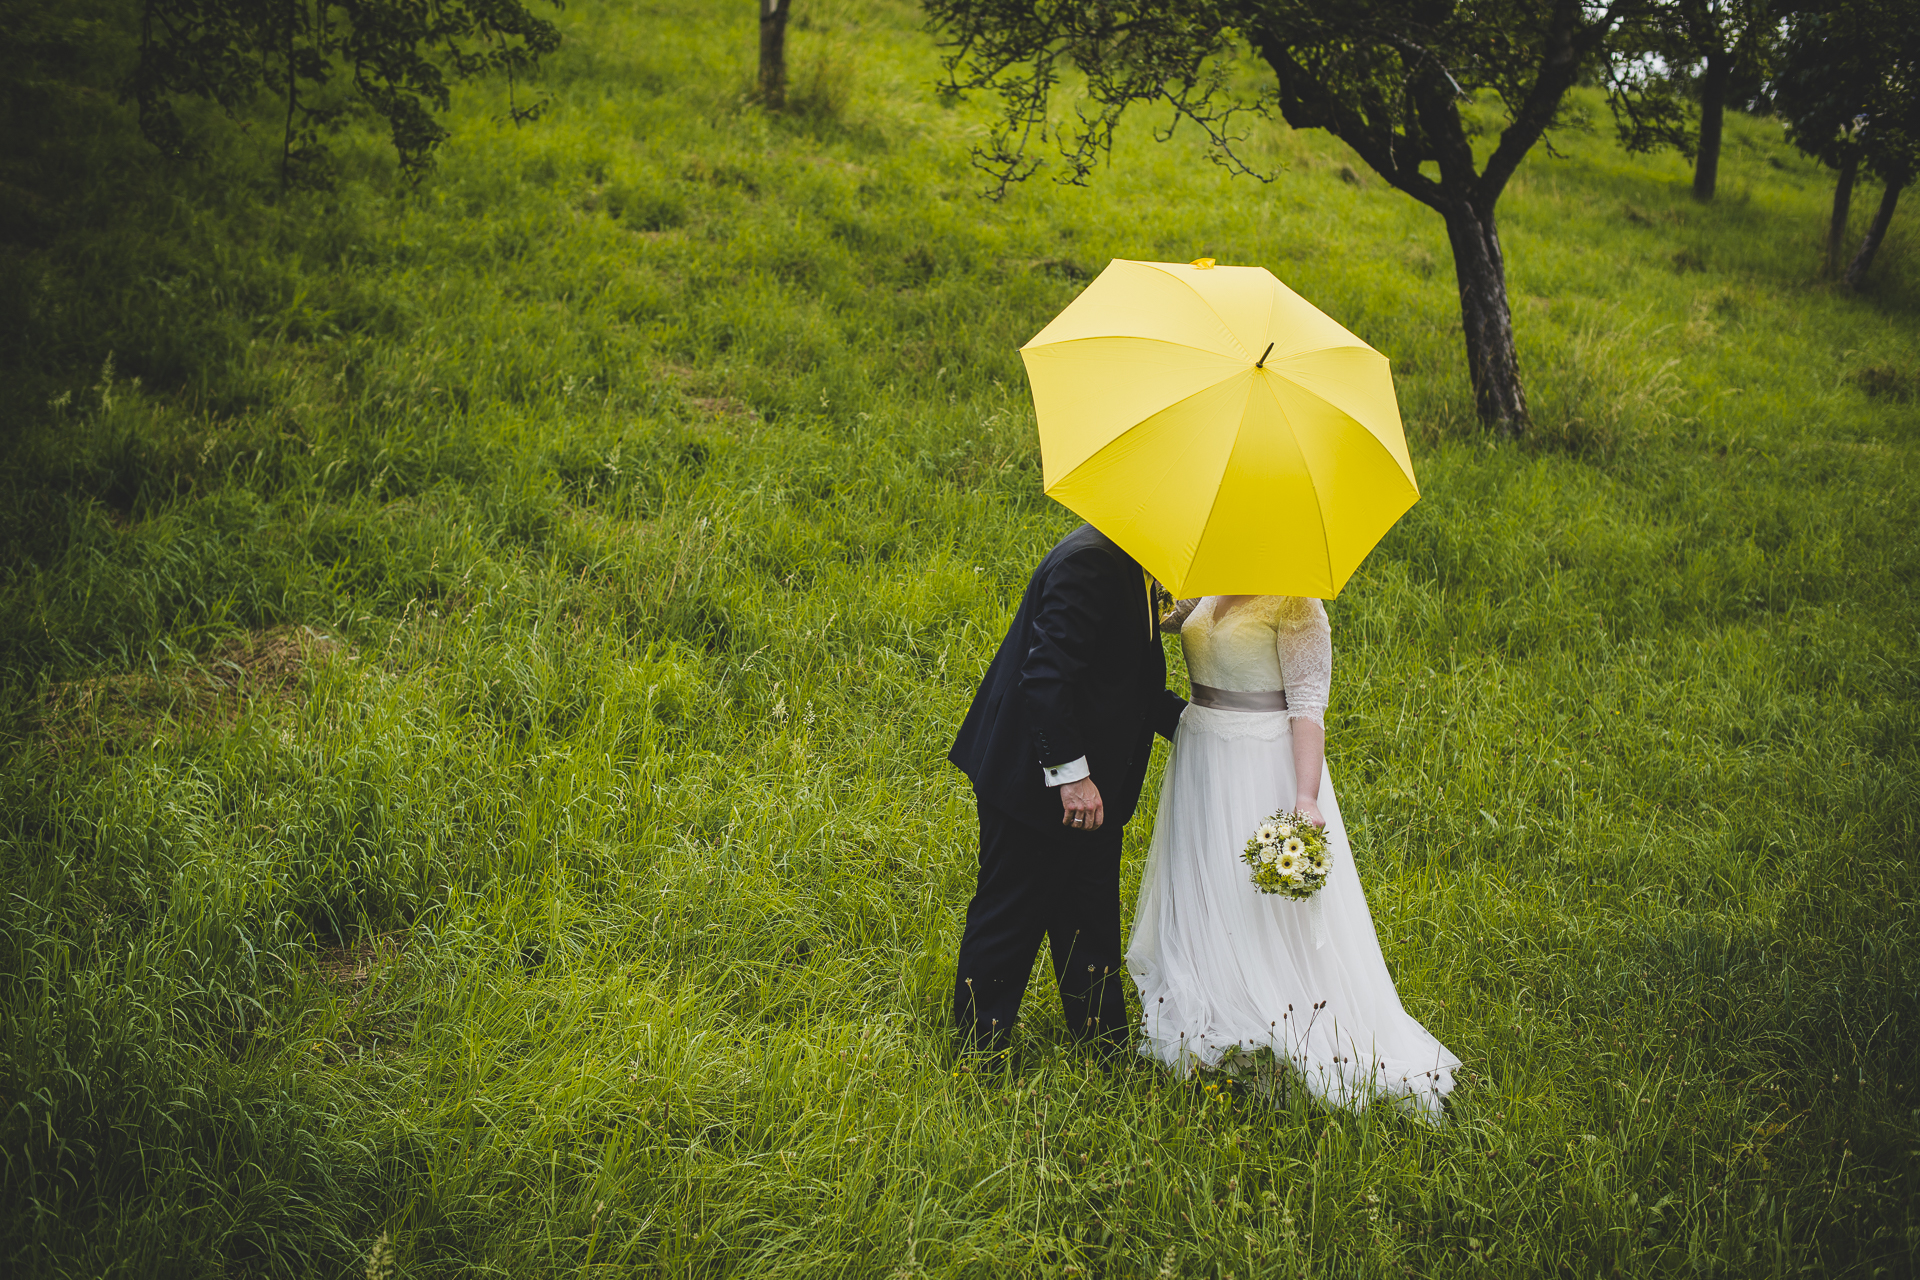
(1224,970)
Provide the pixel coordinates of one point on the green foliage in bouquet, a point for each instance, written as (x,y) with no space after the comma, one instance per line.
(1289,855)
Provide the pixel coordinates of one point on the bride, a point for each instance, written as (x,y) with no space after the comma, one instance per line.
(1224,970)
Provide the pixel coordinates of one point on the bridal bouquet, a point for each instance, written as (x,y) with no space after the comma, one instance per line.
(1289,855)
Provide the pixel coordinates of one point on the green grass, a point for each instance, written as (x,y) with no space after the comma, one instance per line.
(478,668)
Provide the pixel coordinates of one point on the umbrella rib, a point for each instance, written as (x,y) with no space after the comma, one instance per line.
(1355,345)
(1208,304)
(1273,304)
(1124,337)
(1227,462)
(1365,430)
(1326,543)
(1069,474)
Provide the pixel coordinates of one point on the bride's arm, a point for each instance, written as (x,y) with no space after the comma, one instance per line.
(1177,617)
(1305,645)
(1309,753)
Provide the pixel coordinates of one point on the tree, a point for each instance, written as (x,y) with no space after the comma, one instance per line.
(326,60)
(773,52)
(1891,136)
(1856,276)
(1849,91)
(1396,80)
(1671,53)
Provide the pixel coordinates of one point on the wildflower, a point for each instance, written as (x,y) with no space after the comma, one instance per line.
(380,1258)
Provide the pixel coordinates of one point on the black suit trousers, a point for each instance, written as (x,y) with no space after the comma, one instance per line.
(1063,884)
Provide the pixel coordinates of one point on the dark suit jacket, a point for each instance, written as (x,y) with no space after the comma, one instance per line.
(1080,673)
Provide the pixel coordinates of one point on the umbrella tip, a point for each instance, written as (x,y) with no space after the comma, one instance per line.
(1203,264)
(1261,363)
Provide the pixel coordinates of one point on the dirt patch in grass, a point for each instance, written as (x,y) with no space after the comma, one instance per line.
(269,662)
(349,969)
(704,394)
(722,407)
(127,708)
(1888,381)
(365,977)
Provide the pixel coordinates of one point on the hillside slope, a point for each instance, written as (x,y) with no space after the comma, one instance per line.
(479,661)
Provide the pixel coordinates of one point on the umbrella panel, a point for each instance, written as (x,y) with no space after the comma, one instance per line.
(1362,489)
(1358,381)
(1140,300)
(1263,534)
(1151,490)
(1091,391)
(1252,485)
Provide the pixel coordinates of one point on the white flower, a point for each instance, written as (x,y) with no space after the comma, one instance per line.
(1267,834)
(1318,860)
(1288,862)
(1284,830)
(1268,855)
(1295,846)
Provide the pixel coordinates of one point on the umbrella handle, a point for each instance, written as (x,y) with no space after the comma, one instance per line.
(1261,363)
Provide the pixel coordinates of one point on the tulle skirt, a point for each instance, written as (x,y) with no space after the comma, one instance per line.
(1225,971)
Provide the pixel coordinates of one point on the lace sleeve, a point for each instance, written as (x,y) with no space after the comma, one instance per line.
(1304,642)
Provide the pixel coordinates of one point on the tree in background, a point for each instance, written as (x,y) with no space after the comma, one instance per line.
(1849,91)
(773,52)
(1396,80)
(1896,166)
(327,60)
(1666,56)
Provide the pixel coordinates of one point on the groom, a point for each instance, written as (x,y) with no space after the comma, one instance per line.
(1056,744)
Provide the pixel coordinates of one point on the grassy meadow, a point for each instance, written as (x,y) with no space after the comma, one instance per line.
(478,660)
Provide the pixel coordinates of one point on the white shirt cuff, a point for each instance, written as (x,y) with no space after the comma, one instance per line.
(1071,771)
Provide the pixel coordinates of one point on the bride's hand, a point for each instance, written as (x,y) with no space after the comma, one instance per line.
(1312,809)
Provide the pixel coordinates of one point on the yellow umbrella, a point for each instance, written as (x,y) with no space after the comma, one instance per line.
(1230,436)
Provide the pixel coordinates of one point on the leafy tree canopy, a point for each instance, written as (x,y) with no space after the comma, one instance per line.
(1849,85)
(1390,78)
(326,60)
(1667,55)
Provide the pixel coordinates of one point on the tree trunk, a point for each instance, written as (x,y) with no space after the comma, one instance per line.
(1713,108)
(773,53)
(1837,224)
(1481,271)
(1876,232)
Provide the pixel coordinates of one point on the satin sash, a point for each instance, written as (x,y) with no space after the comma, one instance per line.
(1234,700)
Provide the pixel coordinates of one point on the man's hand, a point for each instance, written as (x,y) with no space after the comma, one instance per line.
(1084,809)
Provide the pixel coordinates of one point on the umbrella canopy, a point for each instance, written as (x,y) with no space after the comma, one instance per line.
(1226,433)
